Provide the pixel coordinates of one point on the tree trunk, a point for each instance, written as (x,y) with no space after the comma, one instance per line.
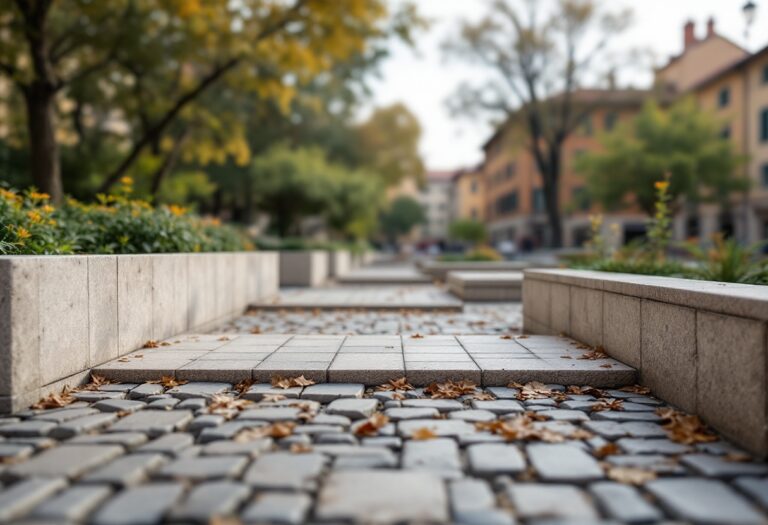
(43,148)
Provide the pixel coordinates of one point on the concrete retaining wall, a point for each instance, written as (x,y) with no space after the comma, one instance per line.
(438,270)
(339,262)
(62,315)
(303,268)
(699,345)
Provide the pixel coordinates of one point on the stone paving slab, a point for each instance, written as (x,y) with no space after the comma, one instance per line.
(422,359)
(389,274)
(422,297)
(322,460)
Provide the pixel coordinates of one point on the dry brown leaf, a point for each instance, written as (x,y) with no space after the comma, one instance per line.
(300,448)
(225,405)
(255,330)
(423,433)
(59,400)
(522,337)
(417,336)
(372,425)
(505,336)
(275,430)
(395,384)
(171,382)
(609,449)
(631,475)
(737,457)
(397,396)
(243,386)
(224,338)
(685,429)
(450,389)
(521,428)
(225,520)
(536,390)
(605,404)
(586,391)
(271,398)
(123,360)
(581,433)
(483,396)
(290,382)
(151,344)
(597,353)
(636,389)
(565,357)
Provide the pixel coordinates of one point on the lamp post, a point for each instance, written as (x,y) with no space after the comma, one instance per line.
(750,11)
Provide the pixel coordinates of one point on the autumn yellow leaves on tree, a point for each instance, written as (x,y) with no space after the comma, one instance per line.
(164,80)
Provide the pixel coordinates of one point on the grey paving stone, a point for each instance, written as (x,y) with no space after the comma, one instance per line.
(146,389)
(311,429)
(69,461)
(399,414)
(326,392)
(285,471)
(205,421)
(502,392)
(126,470)
(203,468)
(118,387)
(64,414)
(472,416)
(610,415)
(145,504)
(441,427)
(227,430)
(365,458)
(27,429)
(18,499)
(498,406)
(129,440)
(119,405)
(153,422)
(660,464)
(73,504)
(614,430)
(271,414)
(721,467)
(251,448)
(209,499)
(168,444)
(439,456)
(473,502)
(624,503)
(479,438)
(586,406)
(39,443)
(537,500)
(353,408)
(275,507)
(258,391)
(75,427)
(651,446)
(338,438)
(329,419)
(540,403)
(165,403)
(94,396)
(9,420)
(383,441)
(383,497)
(566,415)
(703,501)
(491,459)
(563,462)
(14,452)
(442,405)
(755,488)
(193,403)
(199,389)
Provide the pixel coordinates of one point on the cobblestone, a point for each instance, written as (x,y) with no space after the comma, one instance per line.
(429,463)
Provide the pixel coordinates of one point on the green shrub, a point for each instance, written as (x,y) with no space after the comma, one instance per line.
(481,254)
(29,224)
(727,261)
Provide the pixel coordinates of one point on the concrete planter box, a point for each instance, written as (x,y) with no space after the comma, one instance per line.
(62,315)
(438,270)
(698,345)
(339,262)
(303,268)
(486,286)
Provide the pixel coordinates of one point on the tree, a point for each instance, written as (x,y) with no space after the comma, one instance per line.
(537,63)
(682,142)
(404,213)
(149,65)
(468,230)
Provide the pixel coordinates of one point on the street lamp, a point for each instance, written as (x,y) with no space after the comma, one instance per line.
(750,11)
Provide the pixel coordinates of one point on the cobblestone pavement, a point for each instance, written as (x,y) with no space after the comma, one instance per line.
(490,360)
(477,318)
(336,453)
(420,297)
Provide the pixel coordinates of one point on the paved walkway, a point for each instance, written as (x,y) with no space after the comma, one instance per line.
(397,297)
(385,274)
(336,453)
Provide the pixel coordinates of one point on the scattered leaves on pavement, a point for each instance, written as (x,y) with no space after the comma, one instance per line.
(636,389)
(275,430)
(609,449)
(605,404)
(290,382)
(630,475)
(417,336)
(225,405)
(243,386)
(54,400)
(395,384)
(300,448)
(536,390)
(596,353)
(450,389)
(151,344)
(423,433)
(521,428)
(372,425)
(685,429)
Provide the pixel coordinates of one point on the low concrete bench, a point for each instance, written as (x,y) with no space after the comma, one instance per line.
(486,286)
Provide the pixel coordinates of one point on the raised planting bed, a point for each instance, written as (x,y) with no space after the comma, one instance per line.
(62,315)
(339,262)
(303,267)
(699,345)
(486,286)
(438,270)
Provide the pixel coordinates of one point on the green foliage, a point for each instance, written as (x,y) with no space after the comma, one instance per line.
(404,213)
(728,261)
(468,230)
(291,185)
(681,141)
(660,228)
(481,254)
(29,224)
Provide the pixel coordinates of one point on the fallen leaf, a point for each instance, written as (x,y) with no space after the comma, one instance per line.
(597,353)
(225,405)
(581,433)
(609,449)
(423,433)
(505,336)
(522,337)
(630,475)
(372,425)
(604,404)
(636,389)
(271,398)
(737,457)
(290,382)
(483,396)
(521,428)
(395,384)
(243,386)
(275,430)
(685,429)
(171,382)
(151,344)
(417,336)
(52,400)
(223,338)
(300,448)
(450,389)
(255,330)
(536,390)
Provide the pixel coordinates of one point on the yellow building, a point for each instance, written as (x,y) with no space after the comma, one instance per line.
(468,198)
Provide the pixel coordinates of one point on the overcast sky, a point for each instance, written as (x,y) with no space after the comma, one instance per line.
(423,80)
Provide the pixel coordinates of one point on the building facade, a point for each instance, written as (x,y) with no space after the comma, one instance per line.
(722,77)
(468,197)
(436,196)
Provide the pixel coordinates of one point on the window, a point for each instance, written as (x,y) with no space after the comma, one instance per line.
(765,74)
(538,200)
(725,133)
(507,203)
(586,125)
(724,97)
(764,175)
(511,170)
(473,186)
(764,125)
(610,121)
